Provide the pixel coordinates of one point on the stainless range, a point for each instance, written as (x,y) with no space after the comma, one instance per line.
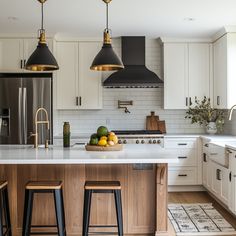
(140,137)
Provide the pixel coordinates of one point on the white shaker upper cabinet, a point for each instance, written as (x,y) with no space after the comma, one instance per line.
(199,70)
(78,87)
(11,54)
(225,71)
(90,81)
(14,53)
(67,75)
(187,73)
(175,75)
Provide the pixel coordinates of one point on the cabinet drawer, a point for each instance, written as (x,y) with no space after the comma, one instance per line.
(186,157)
(180,143)
(182,176)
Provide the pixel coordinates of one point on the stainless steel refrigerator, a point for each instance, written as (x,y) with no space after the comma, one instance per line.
(21,94)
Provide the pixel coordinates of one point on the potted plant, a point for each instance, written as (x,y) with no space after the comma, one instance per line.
(203,114)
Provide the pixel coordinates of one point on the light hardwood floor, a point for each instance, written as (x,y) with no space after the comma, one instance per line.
(198,197)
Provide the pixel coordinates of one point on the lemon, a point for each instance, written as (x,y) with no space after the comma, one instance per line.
(113,138)
(111,133)
(102,142)
(103,138)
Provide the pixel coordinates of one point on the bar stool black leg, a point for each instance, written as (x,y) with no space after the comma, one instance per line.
(1,218)
(7,211)
(63,211)
(119,216)
(86,214)
(29,197)
(59,212)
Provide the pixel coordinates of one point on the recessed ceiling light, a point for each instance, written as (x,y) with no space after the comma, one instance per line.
(12,18)
(189,19)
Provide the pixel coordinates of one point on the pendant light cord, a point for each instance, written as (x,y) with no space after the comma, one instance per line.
(42,26)
(107,12)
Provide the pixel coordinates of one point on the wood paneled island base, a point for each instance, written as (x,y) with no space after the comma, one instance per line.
(144,196)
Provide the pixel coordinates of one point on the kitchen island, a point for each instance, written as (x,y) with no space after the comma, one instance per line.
(142,171)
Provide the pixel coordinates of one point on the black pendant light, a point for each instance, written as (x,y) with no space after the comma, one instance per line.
(106,59)
(42,59)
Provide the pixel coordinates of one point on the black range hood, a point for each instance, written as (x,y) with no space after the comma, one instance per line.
(135,74)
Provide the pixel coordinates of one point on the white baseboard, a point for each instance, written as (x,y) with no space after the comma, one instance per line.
(187,188)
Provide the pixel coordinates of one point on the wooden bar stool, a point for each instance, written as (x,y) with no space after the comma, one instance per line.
(54,187)
(102,187)
(4,210)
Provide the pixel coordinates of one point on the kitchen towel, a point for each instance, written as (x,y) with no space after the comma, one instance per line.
(198,219)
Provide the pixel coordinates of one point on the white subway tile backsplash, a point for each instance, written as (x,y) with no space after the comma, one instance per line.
(145,100)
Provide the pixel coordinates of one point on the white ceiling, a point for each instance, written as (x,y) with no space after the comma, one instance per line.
(153,18)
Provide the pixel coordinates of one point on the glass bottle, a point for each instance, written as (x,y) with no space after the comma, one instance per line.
(66,134)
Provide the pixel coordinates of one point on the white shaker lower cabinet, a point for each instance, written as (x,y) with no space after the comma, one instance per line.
(215,176)
(187,73)
(232,182)
(220,181)
(186,170)
(77,86)
(206,168)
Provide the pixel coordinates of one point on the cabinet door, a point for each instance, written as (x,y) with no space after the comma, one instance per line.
(216,182)
(90,84)
(175,76)
(11,54)
(232,183)
(204,170)
(220,72)
(209,174)
(67,75)
(224,196)
(199,71)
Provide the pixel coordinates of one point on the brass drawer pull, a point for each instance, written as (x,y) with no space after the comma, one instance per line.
(182,175)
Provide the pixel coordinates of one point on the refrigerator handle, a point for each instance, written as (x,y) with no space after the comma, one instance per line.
(20,114)
(24,112)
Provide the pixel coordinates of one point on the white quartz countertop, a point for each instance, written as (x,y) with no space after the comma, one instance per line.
(131,154)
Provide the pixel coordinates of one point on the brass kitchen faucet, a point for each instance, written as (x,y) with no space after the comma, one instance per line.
(231,111)
(36,123)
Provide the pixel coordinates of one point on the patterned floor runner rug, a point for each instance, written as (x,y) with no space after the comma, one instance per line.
(198,219)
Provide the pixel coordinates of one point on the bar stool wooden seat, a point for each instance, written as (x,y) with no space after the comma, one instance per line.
(41,187)
(91,187)
(5,229)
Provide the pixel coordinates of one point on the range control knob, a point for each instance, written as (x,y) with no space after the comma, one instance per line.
(124,142)
(158,141)
(137,141)
(142,141)
(150,141)
(119,141)
(154,141)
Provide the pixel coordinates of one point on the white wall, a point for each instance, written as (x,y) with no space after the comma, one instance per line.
(145,100)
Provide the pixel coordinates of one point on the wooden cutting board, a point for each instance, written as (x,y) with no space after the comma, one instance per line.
(162,126)
(95,148)
(152,122)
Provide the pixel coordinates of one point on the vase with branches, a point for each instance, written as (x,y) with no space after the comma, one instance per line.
(203,114)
